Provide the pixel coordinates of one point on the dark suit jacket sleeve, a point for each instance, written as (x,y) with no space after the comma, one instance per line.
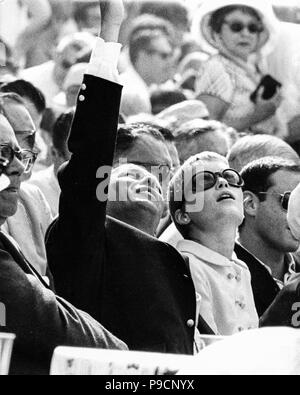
(78,235)
(43,321)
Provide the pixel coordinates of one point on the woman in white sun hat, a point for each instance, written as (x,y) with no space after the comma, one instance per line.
(239,33)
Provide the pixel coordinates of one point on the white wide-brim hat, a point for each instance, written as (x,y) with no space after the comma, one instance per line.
(202,31)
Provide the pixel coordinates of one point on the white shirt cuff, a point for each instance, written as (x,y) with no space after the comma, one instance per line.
(104,60)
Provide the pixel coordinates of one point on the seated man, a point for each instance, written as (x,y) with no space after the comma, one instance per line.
(265,238)
(206,204)
(137,286)
(29,224)
(40,319)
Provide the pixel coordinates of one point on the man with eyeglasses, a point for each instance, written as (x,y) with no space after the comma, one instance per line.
(138,287)
(265,238)
(30,223)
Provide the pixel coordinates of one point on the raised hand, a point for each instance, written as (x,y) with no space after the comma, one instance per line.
(112,15)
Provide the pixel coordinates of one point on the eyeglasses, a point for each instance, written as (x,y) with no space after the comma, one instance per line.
(31,132)
(162,171)
(237,27)
(7,155)
(209,180)
(284,198)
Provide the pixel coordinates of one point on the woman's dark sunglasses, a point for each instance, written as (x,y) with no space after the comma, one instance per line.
(237,27)
(284,198)
(7,155)
(205,180)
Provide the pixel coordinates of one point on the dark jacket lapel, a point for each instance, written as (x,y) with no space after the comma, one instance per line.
(264,286)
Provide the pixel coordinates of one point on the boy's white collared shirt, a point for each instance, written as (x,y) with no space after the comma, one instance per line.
(226,299)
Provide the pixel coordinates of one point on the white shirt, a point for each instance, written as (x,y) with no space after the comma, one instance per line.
(227,302)
(171,236)
(42,77)
(136,96)
(29,225)
(47,181)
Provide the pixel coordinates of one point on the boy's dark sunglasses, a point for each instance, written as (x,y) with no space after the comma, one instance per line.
(209,179)
(237,27)
(284,198)
(7,155)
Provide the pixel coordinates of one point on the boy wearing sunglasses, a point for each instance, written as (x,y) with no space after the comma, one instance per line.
(266,241)
(206,204)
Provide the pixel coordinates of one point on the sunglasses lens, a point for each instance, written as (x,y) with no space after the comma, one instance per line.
(253,28)
(285,201)
(236,27)
(6,152)
(233,178)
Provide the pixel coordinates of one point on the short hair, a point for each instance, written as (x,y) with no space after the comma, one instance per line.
(8,60)
(61,132)
(162,98)
(257,174)
(6,98)
(177,185)
(173,11)
(26,90)
(142,41)
(218,17)
(151,22)
(250,148)
(201,135)
(80,11)
(128,134)
(167,134)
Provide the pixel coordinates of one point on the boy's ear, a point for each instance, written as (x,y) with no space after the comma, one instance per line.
(251,203)
(182,218)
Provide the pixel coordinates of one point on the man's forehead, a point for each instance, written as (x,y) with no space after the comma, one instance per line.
(7,135)
(19,116)
(148,149)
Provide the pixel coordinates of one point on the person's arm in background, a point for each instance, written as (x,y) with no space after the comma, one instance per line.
(39,13)
(264,109)
(75,244)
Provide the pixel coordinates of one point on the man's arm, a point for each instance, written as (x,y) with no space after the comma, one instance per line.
(42,321)
(75,244)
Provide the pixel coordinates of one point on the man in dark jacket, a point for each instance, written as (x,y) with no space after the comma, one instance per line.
(40,319)
(137,286)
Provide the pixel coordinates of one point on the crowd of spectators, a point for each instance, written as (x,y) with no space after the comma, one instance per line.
(150,185)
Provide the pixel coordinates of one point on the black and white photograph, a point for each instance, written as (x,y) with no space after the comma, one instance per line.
(149,190)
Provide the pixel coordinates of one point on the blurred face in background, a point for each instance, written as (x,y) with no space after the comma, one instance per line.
(240,34)
(157,62)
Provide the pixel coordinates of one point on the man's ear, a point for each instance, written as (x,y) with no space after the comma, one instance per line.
(251,203)
(182,218)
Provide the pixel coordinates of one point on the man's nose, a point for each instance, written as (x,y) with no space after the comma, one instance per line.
(16,168)
(222,183)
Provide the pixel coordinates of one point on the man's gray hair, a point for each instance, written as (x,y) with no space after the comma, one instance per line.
(252,147)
